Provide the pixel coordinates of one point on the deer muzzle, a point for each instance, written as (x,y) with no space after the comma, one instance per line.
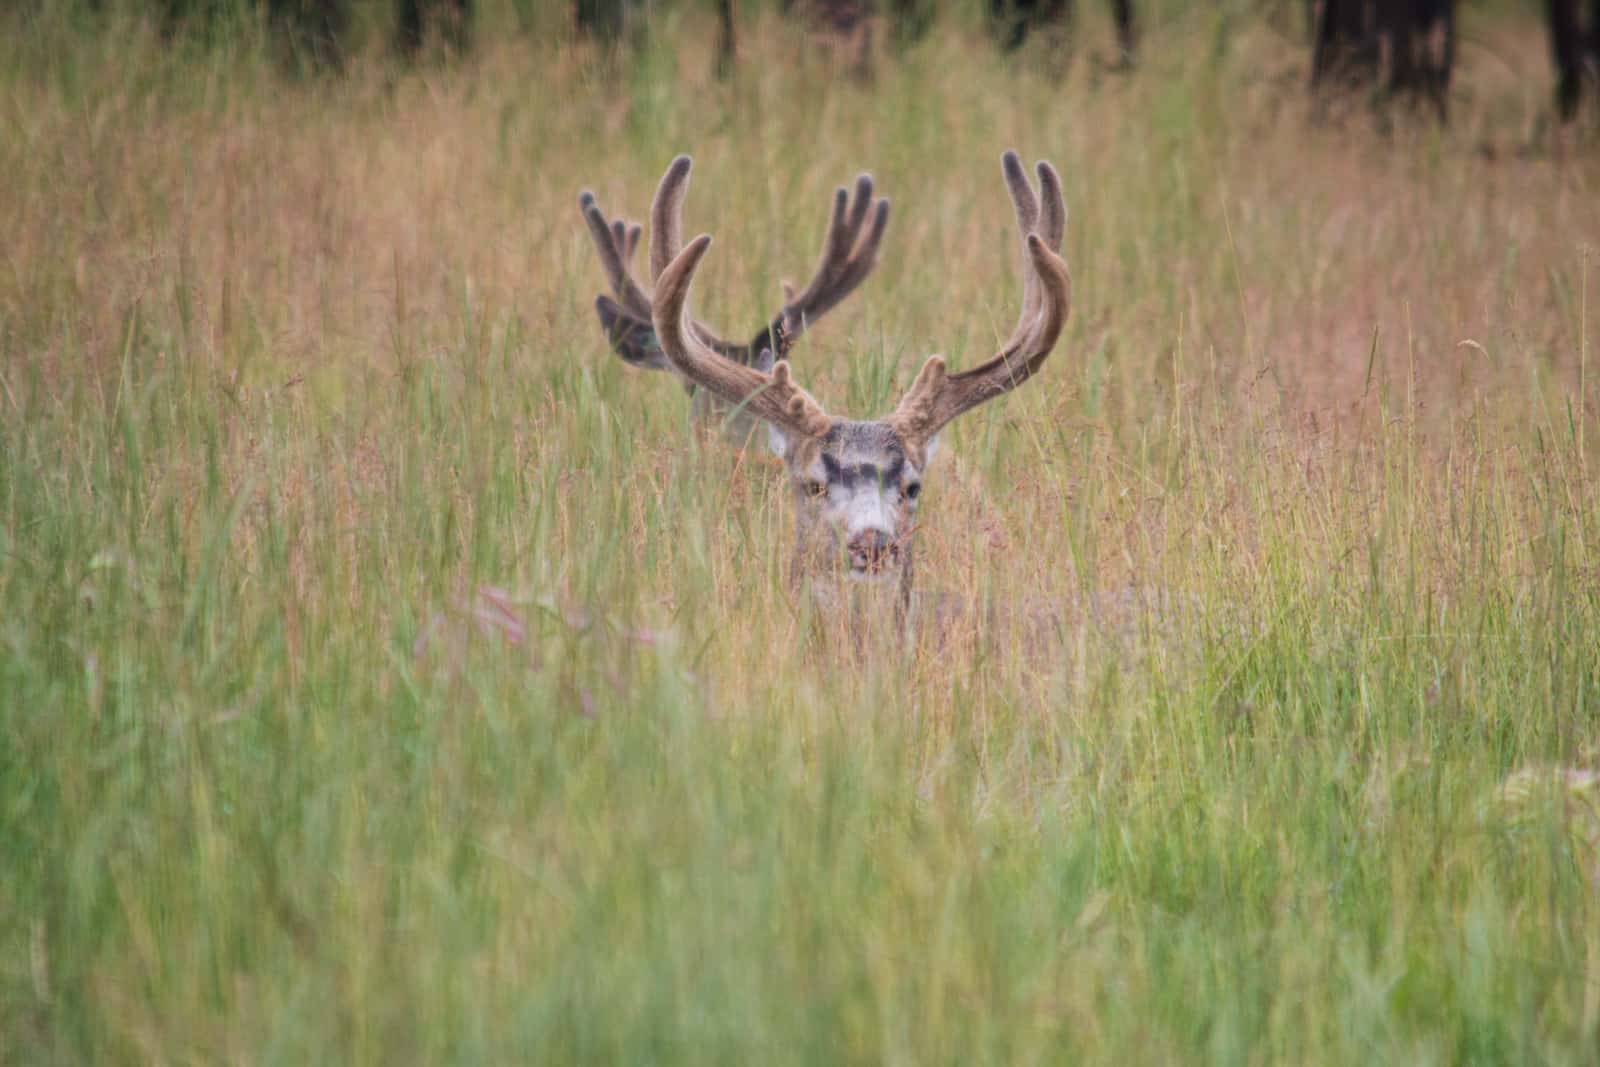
(872,552)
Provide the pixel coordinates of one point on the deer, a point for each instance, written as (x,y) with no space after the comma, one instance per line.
(857,484)
(855,231)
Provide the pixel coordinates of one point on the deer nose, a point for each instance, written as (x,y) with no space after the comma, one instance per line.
(871,550)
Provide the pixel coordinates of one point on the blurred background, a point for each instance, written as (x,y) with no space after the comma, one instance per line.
(1403,48)
(388,673)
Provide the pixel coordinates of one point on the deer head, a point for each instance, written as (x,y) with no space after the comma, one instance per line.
(849,252)
(857,484)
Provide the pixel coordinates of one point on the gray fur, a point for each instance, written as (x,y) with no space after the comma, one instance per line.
(855,508)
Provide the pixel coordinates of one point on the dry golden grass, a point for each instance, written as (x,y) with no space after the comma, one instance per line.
(393,675)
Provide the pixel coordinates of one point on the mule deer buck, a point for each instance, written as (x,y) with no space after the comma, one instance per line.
(857,484)
(849,252)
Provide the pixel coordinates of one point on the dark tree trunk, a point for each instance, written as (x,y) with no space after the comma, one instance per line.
(1403,47)
(1344,43)
(1127,33)
(909,20)
(314,28)
(848,23)
(601,19)
(727,44)
(1574,48)
(1012,20)
(453,19)
(1421,46)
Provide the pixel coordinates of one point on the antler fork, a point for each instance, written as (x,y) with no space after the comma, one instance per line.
(936,397)
(775,397)
(849,254)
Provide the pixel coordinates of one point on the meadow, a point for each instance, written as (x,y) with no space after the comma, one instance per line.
(388,674)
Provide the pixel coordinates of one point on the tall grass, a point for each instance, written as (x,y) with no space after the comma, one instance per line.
(389,674)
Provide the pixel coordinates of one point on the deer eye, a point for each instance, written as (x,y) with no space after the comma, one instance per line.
(815,487)
(913,490)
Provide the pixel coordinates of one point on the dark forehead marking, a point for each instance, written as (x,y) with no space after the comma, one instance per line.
(848,440)
(868,473)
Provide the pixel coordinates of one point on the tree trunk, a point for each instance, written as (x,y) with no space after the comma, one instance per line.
(1012,20)
(1400,47)
(1127,33)
(727,44)
(1573,47)
(603,19)
(452,18)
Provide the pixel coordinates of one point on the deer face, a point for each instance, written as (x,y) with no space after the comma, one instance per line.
(856,489)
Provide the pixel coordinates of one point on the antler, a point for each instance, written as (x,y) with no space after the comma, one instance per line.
(775,397)
(627,323)
(936,397)
(849,253)
(616,242)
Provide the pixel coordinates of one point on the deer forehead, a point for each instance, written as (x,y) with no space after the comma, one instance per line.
(855,453)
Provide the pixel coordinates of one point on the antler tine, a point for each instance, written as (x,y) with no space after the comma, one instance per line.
(666,216)
(1022,194)
(775,397)
(625,235)
(1053,207)
(844,227)
(614,256)
(847,258)
(862,199)
(855,269)
(936,397)
(1026,204)
(666,234)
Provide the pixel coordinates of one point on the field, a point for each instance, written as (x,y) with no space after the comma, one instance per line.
(389,674)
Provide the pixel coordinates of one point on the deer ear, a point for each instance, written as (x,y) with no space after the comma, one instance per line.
(631,337)
(929,449)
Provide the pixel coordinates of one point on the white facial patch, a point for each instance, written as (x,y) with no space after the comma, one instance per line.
(865,507)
